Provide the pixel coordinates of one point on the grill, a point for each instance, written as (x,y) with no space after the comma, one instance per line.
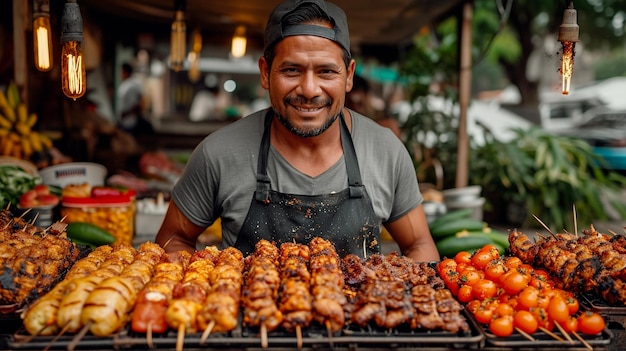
(314,337)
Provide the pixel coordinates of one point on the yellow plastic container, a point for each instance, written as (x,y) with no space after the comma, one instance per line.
(110,209)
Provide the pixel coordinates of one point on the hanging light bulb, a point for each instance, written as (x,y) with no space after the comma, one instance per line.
(177,44)
(73,75)
(238,48)
(194,55)
(42,35)
(568,36)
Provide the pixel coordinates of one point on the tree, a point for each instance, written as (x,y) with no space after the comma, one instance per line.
(601,24)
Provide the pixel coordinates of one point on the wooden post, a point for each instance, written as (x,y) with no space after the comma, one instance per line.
(465,78)
(21,21)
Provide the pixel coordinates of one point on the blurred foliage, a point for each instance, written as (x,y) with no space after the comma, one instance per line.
(547,176)
(612,65)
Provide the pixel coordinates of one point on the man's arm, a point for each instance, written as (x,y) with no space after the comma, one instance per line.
(177,232)
(413,237)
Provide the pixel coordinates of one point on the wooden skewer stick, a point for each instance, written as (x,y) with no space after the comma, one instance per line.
(149,335)
(264,343)
(299,336)
(207,332)
(56,337)
(583,341)
(544,225)
(575,220)
(8,224)
(551,334)
(30,338)
(525,334)
(566,334)
(180,338)
(169,240)
(72,345)
(25,212)
(330,334)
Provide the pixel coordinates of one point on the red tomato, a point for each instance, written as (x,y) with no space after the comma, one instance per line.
(528,298)
(502,326)
(571,325)
(470,276)
(513,281)
(447,264)
(542,318)
(473,306)
(484,289)
(509,299)
(492,250)
(557,309)
(513,262)
(494,270)
(483,315)
(480,259)
(463,257)
(465,294)
(591,323)
(525,321)
(504,309)
(572,303)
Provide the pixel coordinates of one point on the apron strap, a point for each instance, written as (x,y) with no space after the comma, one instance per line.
(352,164)
(349,154)
(262,179)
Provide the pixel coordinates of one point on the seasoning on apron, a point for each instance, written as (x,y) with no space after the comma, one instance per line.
(345,218)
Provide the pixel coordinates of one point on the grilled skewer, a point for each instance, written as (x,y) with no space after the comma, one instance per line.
(221,307)
(190,293)
(261,290)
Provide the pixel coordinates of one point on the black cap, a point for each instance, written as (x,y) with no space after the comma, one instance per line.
(275,32)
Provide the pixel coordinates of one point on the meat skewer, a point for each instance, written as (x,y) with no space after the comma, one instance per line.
(327,283)
(221,307)
(295,300)
(261,290)
(149,312)
(79,289)
(107,307)
(587,263)
(40,318)
(190,293)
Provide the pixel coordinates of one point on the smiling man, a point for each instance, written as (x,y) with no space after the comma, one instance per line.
(307,166)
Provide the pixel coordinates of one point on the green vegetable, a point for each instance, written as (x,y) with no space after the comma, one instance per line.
(499,238)
(454,226)
(89,233)
(14,182)
(451,216)
(450,246)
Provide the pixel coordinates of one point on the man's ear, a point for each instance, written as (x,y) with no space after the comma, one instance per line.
(264,69)
(350,75)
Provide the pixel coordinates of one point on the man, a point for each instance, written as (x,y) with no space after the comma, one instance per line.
(306,166)
(130,103)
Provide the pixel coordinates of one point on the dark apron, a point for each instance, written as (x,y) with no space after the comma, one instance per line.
(346,218)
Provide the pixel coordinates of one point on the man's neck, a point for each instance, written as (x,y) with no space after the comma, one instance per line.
(311,156)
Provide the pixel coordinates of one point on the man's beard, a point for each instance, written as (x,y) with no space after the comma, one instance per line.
(304,133)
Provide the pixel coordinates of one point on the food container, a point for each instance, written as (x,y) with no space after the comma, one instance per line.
(111,210)
(74,173)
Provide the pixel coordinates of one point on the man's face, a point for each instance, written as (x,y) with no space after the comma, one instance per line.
(307,83)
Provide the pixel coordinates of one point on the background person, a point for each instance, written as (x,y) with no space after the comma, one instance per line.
(307,166)
(130,104)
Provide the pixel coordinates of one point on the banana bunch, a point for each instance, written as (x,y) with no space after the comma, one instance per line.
(17,137)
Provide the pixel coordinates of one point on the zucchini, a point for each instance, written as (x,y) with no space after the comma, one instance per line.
(499,238)
(451,216)
(454,226)
(89,233)
(450,246)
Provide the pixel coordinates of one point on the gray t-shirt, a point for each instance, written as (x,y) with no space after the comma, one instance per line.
(220,177)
